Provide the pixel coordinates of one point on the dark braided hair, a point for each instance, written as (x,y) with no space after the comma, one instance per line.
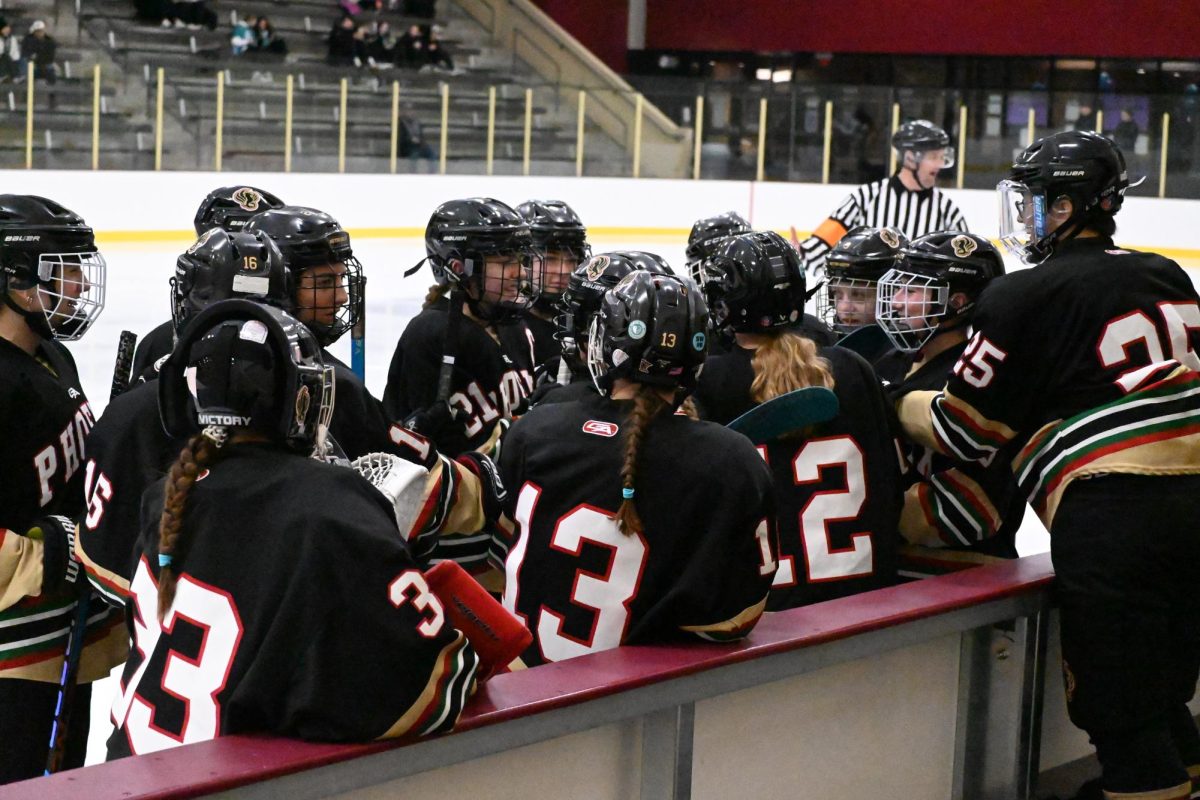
(200,452)
(647,405)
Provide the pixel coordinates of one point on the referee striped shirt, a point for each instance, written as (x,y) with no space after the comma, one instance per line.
(884,203)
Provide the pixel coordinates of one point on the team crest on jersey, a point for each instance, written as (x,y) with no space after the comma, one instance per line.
(963,246)
(889,238)
(204,237)
(599,428)
(595,268)
(247,198)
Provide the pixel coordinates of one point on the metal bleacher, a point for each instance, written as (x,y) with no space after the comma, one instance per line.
(254,96)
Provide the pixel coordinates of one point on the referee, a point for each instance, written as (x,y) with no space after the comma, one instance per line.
(909,200)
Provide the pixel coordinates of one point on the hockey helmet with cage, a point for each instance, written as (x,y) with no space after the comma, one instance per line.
(754,282)
(649,329)
(705,235)
(222,265)
(310,240)
(915,297)
(586,288)
(853,267)
(248,365)
(560,238)
(230,207)
(47,247)
(460,237)
(920,136)
(1085,167)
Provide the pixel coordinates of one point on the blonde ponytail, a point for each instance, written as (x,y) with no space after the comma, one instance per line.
(787,361)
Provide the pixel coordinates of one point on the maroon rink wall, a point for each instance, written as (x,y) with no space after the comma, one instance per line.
(990,624)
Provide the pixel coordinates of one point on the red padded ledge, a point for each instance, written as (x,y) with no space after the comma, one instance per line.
(233,761)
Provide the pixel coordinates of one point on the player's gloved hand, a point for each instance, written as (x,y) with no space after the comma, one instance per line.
(59,566)
(491,489)
(433,422)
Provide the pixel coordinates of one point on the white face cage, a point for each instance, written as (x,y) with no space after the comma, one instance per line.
(595,354)
(827,303)
(328,392)
(71,290)
(909,307)
(1022,219)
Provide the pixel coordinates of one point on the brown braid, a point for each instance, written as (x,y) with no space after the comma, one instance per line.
(787,361)
(198,454)
(435,293)
(646,406)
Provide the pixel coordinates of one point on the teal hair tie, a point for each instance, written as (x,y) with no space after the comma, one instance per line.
(164,560)
(627,493)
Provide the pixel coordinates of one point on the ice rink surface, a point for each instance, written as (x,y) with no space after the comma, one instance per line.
(137,299)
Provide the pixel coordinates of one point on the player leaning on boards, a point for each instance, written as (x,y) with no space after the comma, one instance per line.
(277,579)
(909,201)
(618,530)
(52,280)
(837,485)
(227,208)
(1086,363)
(955,515)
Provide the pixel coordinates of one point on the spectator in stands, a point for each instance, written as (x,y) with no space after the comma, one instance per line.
(382,46)
(265,40)
(40,48)
(436,55)
(242,39)
(410,52)
(1126,132)
(341,43)
(413,144)
(1086,121)
(194,14)
(10,53)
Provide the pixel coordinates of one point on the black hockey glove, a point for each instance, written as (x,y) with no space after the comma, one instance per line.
(57,535)
(491,489)
(432,422)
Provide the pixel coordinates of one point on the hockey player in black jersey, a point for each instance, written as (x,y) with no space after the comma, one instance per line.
(470,330)
(705,235)
(837,485)
(560,238)
(619,530)
(968,512)
(52,282)
(277,579)
(1087,363)
(227,208)
(908,200)
(579,303)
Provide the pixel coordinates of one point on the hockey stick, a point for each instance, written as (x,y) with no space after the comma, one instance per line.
(786,414)
(358,334)
(78,627)
(450,349)
(869,341)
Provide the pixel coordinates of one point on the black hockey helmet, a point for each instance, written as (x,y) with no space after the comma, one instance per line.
(919,135)
(855,264)
(650,329)
(706,233)
(231,206)
(1085,167)
(310,240)
(245,364)
(461,234)
(914,297)
(587,286)
(220,266)
(48,247)
(754,282)
(560,238)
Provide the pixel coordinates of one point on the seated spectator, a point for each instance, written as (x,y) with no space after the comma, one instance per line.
(10,53)
(436,55)
(195,14)
(382,46)
(412,143)
(242,38)
(40,48)
(410,51)
(265,40)
(341,43)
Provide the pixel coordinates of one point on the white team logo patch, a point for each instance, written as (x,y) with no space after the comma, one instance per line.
(596,267)
(247,198)
(598,428)
(889,238)
(963,246)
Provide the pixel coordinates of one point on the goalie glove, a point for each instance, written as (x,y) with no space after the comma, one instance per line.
(494,632)
(406,487)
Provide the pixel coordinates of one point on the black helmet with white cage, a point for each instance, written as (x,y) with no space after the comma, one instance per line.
(915,298)
(220,266)
(47,247)
(854,266)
